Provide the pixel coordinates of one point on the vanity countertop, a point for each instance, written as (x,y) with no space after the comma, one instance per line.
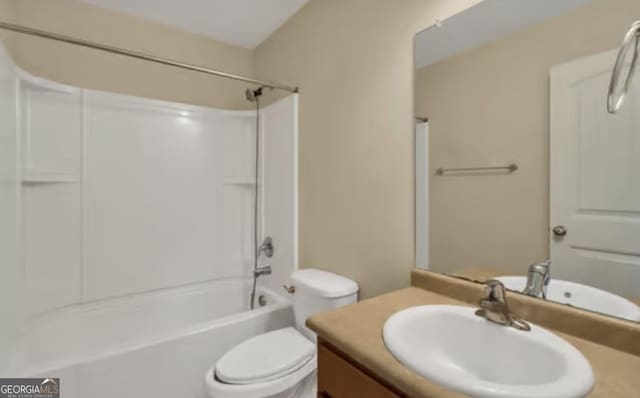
(356,331)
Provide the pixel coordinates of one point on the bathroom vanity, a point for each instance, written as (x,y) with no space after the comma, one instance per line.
(341,376)
(527,179)
(353,360)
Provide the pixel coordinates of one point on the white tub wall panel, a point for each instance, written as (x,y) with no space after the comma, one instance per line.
(238,189)
(51,247)
(237,206)
(151,197)
(238,147)
(51,129)
(171,369)
(280,148)
(9,204)
(237,237)
(51,225)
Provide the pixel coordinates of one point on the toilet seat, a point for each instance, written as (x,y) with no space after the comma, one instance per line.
(265,365)
(265,357)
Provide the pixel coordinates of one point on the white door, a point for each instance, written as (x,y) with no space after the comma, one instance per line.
(422,195)
(594,178)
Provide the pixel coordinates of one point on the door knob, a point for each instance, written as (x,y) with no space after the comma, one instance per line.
(559,231)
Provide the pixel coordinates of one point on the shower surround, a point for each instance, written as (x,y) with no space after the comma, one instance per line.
(128,238)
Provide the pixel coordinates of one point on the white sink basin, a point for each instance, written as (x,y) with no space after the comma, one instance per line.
(453,347)
(582,296)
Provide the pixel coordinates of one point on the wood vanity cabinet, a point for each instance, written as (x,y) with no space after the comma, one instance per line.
(340,377)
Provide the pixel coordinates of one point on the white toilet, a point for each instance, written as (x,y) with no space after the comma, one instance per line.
(282,363)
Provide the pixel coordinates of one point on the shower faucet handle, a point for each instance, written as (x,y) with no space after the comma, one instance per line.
(267,247)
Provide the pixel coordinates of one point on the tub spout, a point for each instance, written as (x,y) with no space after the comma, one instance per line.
(266,270)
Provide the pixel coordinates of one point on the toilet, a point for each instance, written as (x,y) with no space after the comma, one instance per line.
(282,363)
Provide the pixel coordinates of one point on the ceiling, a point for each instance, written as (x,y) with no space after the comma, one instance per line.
(483,23)
(244,23)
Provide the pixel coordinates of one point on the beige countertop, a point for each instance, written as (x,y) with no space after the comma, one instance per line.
(356,330)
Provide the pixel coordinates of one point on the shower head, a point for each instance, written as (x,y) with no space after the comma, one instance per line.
(252,95)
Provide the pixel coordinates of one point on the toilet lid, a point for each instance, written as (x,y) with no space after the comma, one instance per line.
(265,357)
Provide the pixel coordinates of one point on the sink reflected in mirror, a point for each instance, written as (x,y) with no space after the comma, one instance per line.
(582,296)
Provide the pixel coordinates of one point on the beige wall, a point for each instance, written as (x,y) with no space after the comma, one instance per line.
(353,61)
(7,12)
(490,106)
(98,70)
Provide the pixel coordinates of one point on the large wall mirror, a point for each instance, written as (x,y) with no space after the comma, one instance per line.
(522,173)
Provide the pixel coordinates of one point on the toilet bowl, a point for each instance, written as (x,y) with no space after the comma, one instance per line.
(282,363)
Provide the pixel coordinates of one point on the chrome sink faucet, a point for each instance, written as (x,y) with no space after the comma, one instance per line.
(538,277)
(494,307)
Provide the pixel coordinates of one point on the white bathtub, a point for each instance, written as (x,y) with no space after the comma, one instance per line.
(156,344)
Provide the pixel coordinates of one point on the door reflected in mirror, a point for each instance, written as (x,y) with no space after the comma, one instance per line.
(523,159)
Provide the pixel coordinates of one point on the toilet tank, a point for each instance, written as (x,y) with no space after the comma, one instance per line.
(318,291)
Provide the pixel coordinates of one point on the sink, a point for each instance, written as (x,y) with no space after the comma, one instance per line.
(453,347)
(582,296)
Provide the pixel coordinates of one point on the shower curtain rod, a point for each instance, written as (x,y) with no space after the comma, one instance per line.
(139,55)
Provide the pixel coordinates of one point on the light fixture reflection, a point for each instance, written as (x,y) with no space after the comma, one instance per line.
(184,117)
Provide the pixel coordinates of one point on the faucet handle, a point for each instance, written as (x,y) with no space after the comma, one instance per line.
(495,290)
(542,267)
(494,307)
(267,247)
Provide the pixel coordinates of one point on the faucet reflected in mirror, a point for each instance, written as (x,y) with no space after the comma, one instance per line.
(538,277)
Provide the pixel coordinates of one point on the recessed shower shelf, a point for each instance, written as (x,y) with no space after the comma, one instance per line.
(48,177)
(239,181)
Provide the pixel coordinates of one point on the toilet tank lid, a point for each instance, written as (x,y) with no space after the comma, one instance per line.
(323,283)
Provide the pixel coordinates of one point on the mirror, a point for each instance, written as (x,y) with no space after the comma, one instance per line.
(520,161)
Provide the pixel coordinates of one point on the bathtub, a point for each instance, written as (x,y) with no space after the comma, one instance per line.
(156,344)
